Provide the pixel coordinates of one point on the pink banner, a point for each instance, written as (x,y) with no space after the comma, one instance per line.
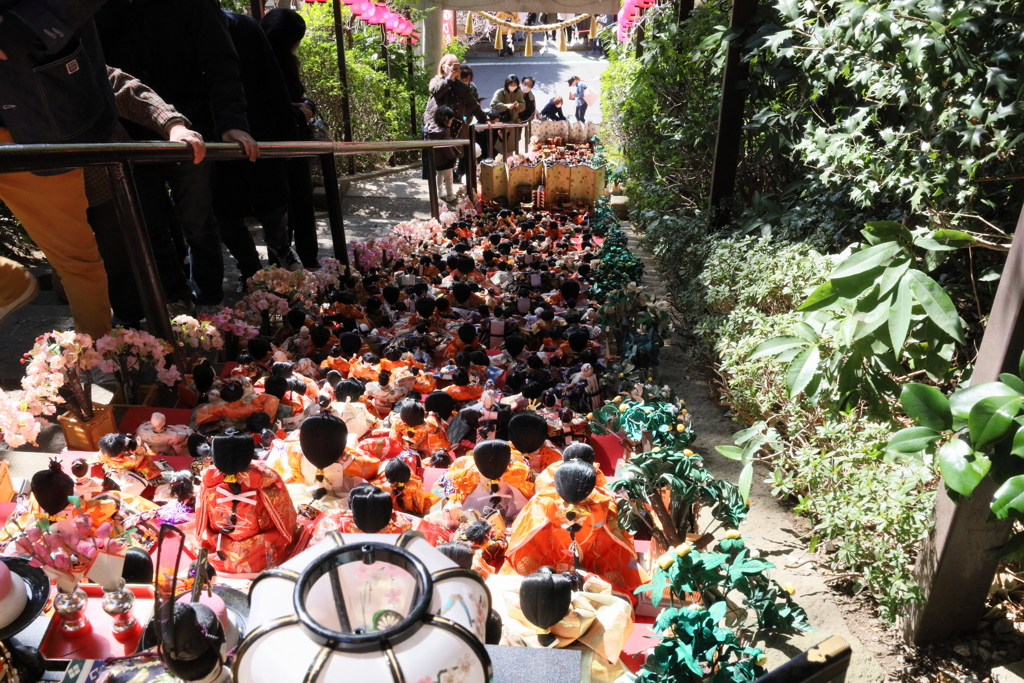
(448,25)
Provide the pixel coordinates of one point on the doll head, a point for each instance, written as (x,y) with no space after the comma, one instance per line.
(578,340)
(514,345)
(333,377)
(258,348)
(322,438)
(575,480)
(203,377)
(79,468)
(461,292)
(425,306)
(182,487)
(231,391)
(52,486)
(350,344)
(467,333)
(397,472)
(578,450)
(320,335)
(492,458)
(391,294)
(371,508)
(348,390)
(527,432)
(465,264)
(479,357)
(440,403)
(198,637)
(158,422)
(233,453)
(113,445)
(281,369)
(412,412)
(275,385)
(459,553)
(545,597)
(296,318)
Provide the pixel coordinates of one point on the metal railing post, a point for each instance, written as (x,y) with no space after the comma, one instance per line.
(471,163)
(435,207)
(332,193)
(136,239)
(490,141)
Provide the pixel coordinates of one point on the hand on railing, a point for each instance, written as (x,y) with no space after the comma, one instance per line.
(251,147)
(180,133)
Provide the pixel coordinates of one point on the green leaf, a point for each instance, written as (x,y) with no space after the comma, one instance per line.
(1008,501)
(801,370)
(774,346)
(1013,381)
(927,406)
(899,316)
(877,232)
(1018,444)
(961,470)
(1020,365)
(955,238)
(990,420)
(866,260)
(913,440)
(731,452)
(821,298)
(961,402)
(1012,547)
(805,331)
(717,611)
(746,477)
(937,304)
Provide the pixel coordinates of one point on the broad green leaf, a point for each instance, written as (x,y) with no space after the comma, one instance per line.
(801,370)
(774,346)
(1008,502)
(955,238)
(961,470)
(1013,381)
(1018,444)
(893,274)
(927,406)
(718,610)
(877,232)
(913,440)
(990,420)
(821,298)
(899,316)
(1012,548)
(731,452)
(933,245)
(961,401)
(937,304)
(805,331)
(1020,365)
(746,477)
(866,260)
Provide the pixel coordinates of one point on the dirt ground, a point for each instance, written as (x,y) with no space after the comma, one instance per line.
(781,536)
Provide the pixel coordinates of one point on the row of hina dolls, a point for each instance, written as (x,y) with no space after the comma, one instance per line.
(447,394)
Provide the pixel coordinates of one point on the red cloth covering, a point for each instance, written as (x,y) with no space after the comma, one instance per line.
(249,531)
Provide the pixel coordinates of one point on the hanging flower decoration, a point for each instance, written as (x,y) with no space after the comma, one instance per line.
(53,372)
(398,27)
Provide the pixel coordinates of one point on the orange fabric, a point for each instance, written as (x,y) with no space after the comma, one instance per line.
(139,460)
(462,478)
(539,538)
(414,499)
(237,410)
(546,479)
(340,364)
(364,371)
(542,458)
(251,531)
(428,437)
(289,467)
(456,346)
(470,393)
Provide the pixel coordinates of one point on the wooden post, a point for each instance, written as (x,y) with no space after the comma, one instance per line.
(729,144)
(256,7)
(959,558)
(684,9)
(639,35)
(339,39)
(387,70)
(414,129)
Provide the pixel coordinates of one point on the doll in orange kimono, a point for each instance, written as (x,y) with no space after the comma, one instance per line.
(232,409)
(425,312)
(488,543)
(574,451)
(461,389)
(406,489)
(411,427)
(574,526)
(244,515)
(528,433)
(487,481)
(371,512)
(467,340)
(316,455)
(366,367)
(568,295)
(123,452)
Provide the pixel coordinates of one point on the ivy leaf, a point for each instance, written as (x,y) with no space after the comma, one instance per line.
(1008,501)
(927,406)
(775,346)
(990,420)
(913,440)
(801,370)
(937,304)
(961,469)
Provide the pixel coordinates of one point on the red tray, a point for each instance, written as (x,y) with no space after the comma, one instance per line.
(98,643)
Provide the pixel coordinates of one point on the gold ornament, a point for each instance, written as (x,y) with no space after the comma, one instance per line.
(469,23)
(528,48)
(562,47)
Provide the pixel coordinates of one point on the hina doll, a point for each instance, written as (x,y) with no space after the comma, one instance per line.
(317,455)
(467,340)
(244,515)
(366,367)
(339,358)
(588,386)
(85,486)
(487,481)
(161,438)
(128,463)
(406,489)
(415,431)
(461,390)
(573,527)
(382,395)
(371,511)
(488,544)
(232,409)
(574,451)
(528,433)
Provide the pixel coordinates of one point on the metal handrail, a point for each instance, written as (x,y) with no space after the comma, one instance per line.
(120,157)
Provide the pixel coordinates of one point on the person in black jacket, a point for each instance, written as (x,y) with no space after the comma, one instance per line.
(181,49)
(446,89)
(54,90)
(243,189)
(529,99)
(552,111)
(445,158)
(285,29)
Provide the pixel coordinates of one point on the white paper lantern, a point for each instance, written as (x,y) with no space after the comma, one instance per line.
(368,608)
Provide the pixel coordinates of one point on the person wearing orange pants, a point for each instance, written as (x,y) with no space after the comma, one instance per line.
(17,287)
(52,210)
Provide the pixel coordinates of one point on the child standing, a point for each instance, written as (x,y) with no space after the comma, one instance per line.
(445,158)
(579,89)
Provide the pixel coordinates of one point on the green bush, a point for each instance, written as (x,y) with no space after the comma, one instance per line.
(379,106)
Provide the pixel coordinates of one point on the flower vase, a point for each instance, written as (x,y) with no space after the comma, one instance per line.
(118,603)
(70,607)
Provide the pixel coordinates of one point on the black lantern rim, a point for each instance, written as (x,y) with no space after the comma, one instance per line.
(367,553)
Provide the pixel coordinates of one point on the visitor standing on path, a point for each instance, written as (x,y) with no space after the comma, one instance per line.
(579,89)
(448,90)
(509,99)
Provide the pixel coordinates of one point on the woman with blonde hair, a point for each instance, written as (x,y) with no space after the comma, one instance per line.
(448,90)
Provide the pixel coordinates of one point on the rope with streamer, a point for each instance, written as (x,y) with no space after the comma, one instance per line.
(531,29)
